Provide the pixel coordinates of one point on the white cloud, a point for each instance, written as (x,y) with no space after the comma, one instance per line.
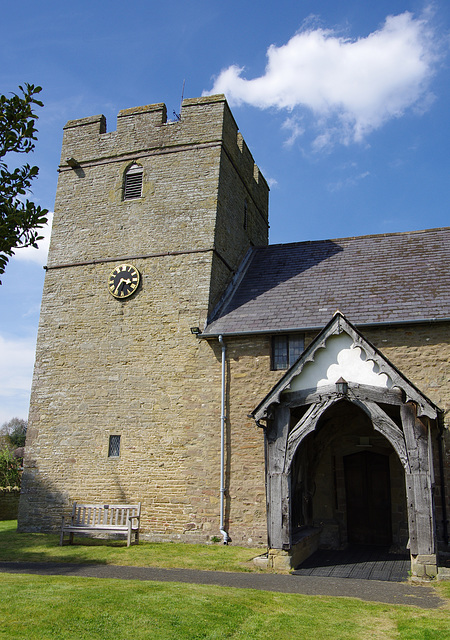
(17,358)
(352,181)
(296,129)
(272,182)
(351,87)
(39,256)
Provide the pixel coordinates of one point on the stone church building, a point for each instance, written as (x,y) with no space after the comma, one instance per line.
(282,396)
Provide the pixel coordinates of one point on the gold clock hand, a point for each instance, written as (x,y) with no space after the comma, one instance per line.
(121,282)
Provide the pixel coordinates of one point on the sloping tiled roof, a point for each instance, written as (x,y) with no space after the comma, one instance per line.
(371,279)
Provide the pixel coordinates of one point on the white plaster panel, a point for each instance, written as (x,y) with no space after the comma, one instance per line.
(341,358)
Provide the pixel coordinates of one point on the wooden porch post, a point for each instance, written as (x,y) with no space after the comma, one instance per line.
(278,482)
(419,495)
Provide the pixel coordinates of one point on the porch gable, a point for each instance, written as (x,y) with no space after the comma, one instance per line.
(340,351)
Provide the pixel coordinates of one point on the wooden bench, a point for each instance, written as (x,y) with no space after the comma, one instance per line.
(98,518)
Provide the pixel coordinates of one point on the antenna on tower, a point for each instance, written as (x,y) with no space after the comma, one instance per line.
(178,115)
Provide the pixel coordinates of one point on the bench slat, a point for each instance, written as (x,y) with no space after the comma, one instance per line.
(98,527)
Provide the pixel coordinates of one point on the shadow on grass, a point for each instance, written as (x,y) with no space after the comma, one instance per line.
(44,547)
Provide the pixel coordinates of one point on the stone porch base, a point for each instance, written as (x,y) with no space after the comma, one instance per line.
(306,542)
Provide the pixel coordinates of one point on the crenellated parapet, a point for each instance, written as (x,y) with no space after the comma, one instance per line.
(145,131)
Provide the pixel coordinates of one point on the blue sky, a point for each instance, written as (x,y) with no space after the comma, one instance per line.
(344,105)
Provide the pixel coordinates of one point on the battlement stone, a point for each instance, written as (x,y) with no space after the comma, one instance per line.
(151,115)
(143,131)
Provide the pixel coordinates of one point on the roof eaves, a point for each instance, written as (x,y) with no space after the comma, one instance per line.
(306,328)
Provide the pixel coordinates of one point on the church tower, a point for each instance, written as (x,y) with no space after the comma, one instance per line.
(151,223)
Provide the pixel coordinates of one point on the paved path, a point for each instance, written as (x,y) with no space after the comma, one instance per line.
(371,590)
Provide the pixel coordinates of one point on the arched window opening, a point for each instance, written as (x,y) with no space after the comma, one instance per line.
(133,182)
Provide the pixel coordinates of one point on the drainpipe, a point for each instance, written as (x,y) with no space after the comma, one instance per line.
(222,446)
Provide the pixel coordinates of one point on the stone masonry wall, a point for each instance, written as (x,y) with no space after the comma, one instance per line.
(132,367)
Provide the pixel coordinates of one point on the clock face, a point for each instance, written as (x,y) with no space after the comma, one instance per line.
(123,281)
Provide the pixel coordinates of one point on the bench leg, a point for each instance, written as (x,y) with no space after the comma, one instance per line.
(61,537)
(70,538)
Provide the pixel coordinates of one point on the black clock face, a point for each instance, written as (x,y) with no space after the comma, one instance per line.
(123,281)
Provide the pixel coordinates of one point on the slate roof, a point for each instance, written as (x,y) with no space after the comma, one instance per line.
(389,278)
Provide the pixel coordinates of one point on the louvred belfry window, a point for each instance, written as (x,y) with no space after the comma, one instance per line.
(133,182)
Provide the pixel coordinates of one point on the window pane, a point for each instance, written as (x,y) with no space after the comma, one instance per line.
(279,352)
(114,447)
(296,343)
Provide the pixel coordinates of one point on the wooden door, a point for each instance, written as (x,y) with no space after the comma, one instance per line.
(368,493)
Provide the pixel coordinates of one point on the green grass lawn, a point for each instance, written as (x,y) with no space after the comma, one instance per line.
(43,547)
(46,608)
(60,608)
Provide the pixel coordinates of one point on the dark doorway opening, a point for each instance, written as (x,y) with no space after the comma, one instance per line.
(368,496)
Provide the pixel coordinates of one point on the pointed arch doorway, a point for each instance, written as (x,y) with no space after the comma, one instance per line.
(347,480)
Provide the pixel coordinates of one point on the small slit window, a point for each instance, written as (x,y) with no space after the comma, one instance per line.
(245,215)
(133,182)
(114,447)
(286,349)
